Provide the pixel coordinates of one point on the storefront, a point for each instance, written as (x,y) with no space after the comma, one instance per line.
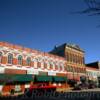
(14,83)
(49,82)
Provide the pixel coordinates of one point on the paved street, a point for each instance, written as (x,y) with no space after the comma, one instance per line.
(93,94)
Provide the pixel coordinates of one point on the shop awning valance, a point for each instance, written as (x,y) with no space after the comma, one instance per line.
(60,79)
(23,78)
(16,77)
(44,78)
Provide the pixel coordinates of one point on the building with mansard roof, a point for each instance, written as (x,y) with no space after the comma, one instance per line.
(74,57)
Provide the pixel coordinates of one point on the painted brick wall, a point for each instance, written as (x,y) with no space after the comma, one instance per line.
(14,71)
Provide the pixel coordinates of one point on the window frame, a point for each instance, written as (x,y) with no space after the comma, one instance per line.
(20,60)
(28,61)
(10,58)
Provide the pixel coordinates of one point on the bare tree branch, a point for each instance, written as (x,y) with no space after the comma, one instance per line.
(93,7)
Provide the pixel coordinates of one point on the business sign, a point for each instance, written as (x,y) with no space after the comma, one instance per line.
(2,69)
(32,71)
(52,73)
(1,87)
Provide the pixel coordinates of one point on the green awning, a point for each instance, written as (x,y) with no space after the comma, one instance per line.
(16,77)
(44,78)
(23,78)
(5,77)
(60,79)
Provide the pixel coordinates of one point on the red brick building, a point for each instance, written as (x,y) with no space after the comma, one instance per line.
(19,66)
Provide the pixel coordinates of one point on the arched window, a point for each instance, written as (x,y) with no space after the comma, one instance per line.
(62,66)
(10,58)
(39,63)
(35,62)
(48,64)
(58,67)
(20,59)
(28,61)
(42,63)
(51,66)
(0,57)
(67,56)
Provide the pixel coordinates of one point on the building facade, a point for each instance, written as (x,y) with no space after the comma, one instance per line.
(22,67)
(18,60)
(74,56)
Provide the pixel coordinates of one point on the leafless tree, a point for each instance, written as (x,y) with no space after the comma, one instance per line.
(93,7)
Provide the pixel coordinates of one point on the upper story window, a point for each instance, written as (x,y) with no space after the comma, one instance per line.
(28,61)
(59,67)
(67,54)
(70,68)
(48,65)
(83,60)
(20,59)
(51,66)
(62,67)
(56,67)
(0,57)
(10,58)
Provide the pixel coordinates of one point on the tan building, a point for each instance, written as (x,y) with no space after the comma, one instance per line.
(74,56)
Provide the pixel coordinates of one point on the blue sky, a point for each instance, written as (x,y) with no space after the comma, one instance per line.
(41,24)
